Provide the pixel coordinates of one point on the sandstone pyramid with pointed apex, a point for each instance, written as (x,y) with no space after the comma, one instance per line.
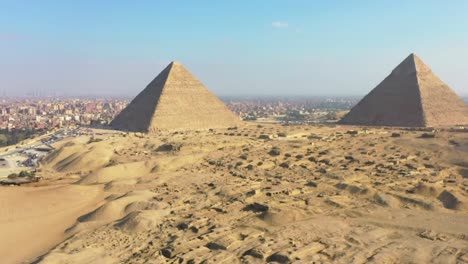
(411,96)
(174,100)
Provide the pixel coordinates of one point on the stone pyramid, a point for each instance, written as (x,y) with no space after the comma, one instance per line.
(411,96)
(174,100)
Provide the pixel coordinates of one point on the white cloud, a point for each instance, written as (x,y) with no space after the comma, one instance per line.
(280,24)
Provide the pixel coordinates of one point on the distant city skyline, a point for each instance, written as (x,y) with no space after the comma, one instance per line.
(115,48)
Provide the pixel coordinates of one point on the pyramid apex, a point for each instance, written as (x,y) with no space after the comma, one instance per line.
(419,64)
(175,63)
(412,64)
(415,58)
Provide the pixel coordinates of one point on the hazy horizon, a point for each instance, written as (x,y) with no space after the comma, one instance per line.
(243,48)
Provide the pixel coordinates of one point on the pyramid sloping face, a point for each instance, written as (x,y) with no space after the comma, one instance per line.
(411,96)
(174,100)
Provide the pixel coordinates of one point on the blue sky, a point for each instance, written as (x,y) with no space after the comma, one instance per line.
(234,47)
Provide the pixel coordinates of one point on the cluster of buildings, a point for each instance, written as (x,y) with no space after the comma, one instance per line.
(289,108)
(49,113)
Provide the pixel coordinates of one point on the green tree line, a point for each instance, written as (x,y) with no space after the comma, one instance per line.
(13,137)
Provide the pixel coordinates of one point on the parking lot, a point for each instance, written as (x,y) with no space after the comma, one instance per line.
(26,156)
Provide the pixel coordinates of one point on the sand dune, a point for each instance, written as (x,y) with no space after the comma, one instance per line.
(34,219)
(121,171)
(246,195)
(79,155)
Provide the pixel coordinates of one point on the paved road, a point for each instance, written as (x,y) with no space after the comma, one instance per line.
(19,152)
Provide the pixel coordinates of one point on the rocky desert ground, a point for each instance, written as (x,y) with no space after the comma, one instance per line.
(249,194)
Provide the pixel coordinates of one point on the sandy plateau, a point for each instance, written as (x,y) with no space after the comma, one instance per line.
(253,194)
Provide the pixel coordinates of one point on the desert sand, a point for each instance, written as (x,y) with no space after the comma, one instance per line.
(34,219)
(252,194)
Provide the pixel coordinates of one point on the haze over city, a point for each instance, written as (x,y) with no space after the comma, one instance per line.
(236,48)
